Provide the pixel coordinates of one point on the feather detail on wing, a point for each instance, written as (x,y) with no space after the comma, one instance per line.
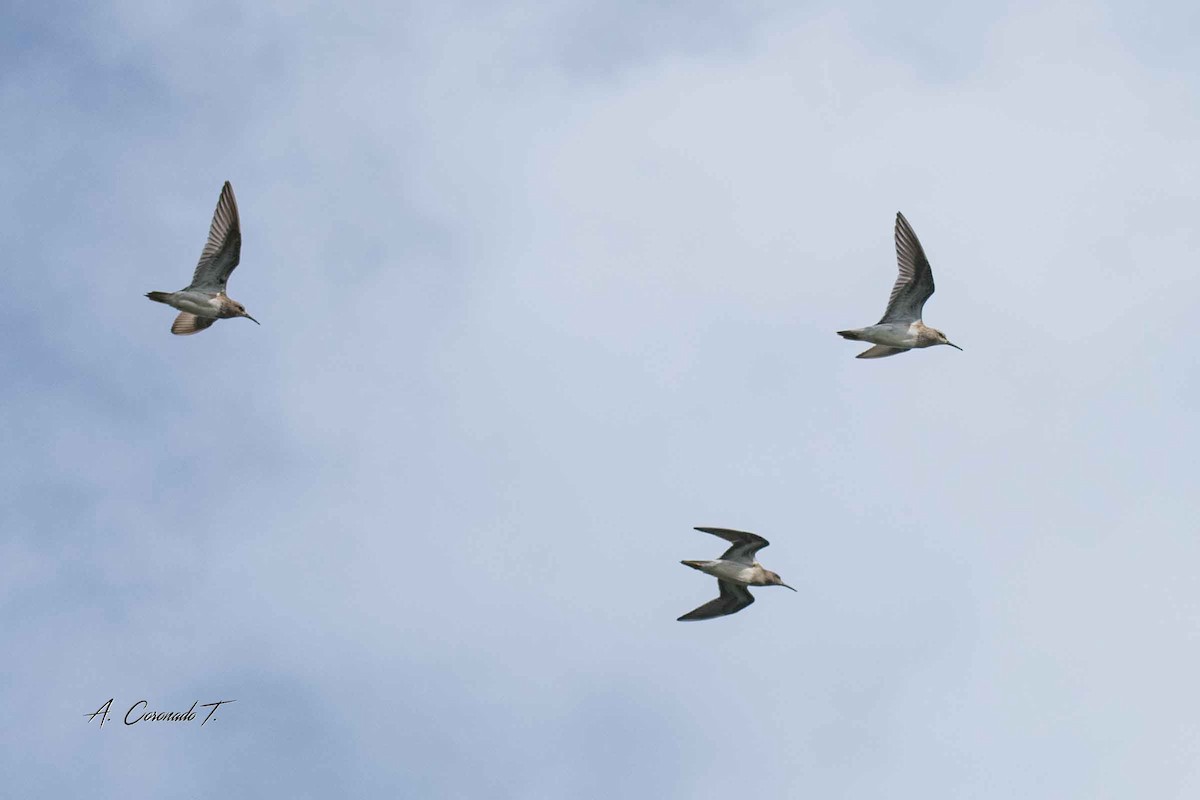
(733,599)
(186,324)
(914,284)
(223,250)
(745,544)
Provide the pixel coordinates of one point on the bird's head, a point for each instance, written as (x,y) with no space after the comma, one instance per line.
(241,312)
(773,579)
(941,338)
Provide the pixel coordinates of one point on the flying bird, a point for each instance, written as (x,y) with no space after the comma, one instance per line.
(204,301)
(734,570)
(901,328)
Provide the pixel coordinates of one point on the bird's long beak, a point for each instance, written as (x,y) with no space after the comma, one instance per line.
(786,586)
(952,344)
(252,319)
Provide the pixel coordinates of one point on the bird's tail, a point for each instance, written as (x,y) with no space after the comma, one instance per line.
(852,335)
(159,297)
(694,564)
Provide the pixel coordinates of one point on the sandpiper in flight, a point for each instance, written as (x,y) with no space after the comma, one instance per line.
(901,328)
(205,301)
(734,570)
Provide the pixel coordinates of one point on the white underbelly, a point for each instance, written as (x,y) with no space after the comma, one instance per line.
(892,335)
(731,571)
(200,306)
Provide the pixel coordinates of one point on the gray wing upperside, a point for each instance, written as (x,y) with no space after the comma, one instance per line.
(745,544)
(914,284)
(734,597)
(224,247)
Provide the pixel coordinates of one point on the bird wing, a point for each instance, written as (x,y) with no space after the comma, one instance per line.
(734,597)
(881,351)
(914,284)
(186,324)
(745,545)
(224,247)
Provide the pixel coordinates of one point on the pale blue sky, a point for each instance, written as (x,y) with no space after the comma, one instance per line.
(540,290)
